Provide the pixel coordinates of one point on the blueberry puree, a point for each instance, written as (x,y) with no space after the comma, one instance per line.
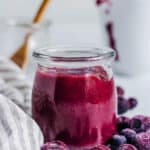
(76,108)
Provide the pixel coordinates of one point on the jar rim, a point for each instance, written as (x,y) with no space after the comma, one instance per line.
(73,54)
(24,22)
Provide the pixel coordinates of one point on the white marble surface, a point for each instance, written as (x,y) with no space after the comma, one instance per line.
(59,10)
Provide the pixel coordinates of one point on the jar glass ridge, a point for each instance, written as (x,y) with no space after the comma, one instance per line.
(73,57)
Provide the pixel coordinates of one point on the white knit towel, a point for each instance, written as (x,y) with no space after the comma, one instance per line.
(17,130)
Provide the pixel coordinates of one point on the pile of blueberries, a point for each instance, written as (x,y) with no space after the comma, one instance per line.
(125,104)
(132,134)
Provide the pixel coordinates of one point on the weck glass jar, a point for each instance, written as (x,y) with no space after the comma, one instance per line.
(74,98)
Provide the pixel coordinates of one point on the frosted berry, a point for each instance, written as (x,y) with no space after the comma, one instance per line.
(140,117)
(122,123)
(120,91)
(116,141)
(148,131)
(146,123)
(129,134)
(136,123)
(127,147)
(122,105)
(132,103)
(142,141)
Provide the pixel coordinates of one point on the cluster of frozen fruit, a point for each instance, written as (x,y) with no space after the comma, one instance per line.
(132,134)
(125,104)
(134,131)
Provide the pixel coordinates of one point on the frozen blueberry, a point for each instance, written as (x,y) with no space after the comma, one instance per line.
(122,123)
(120,91)
(146,123)
(55,145)
(116,141)
(127,147)
(100,147)
(122,105)
(129,134)
(148,131)
(132,103)
(136,123)
(142,141)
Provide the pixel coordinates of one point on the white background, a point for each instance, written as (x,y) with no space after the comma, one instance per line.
(60,10)
(76,20)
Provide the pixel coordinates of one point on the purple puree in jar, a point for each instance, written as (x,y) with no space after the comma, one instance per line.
(78,109)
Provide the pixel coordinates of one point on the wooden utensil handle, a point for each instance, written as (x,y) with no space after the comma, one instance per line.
(41,11)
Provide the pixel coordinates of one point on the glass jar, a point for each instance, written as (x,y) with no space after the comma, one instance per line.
(13,32)
(74,98)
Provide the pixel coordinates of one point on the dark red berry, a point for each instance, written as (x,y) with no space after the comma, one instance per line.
(122,123)
(148,131)
(99,2)
(127,147)
(129,134)
(122,105)
(146,123)
(142,141)
(120,91)
(140,117)
(132,103)
(121,98)
(55,145)
(100,147)
(136,123)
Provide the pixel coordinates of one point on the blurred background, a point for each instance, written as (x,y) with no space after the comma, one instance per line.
(82,23)
(75,20)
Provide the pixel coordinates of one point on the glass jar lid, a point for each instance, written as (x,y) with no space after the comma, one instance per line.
(73,57)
